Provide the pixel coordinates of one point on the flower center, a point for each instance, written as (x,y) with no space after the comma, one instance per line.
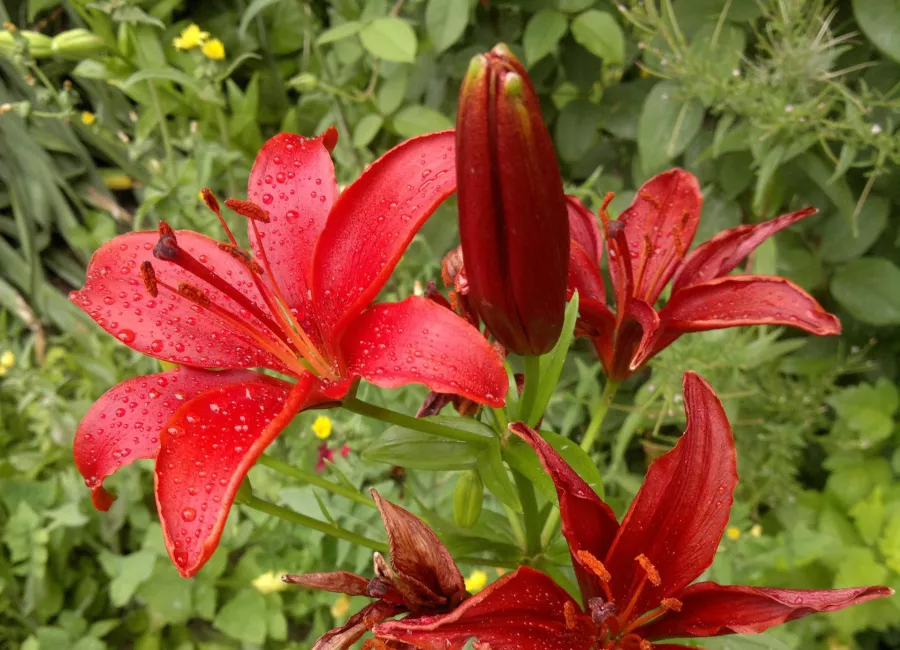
(278,331)
(617,627)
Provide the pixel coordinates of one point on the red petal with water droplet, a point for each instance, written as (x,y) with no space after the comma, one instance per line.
(587,522)
(169,326)
(681,510)
(523,610)
(206,449)
(709,609)
(721,254)
(125,423)
(418,341)
(372,223)
(584,274)
(585,230)
(660,224)
(293,181)
(739,300)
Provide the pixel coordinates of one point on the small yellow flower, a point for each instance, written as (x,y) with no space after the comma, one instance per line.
(322,427)
(269,582)
(214,50)
(201,197)
(500,572)
(341,606)
(756,531)
(7,359)
(476,581)
(733,533)
(88,118)
(190,38)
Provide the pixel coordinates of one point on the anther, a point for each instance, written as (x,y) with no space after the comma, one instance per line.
(248,209)
(645,645)
(210,200)
(148,275)
(375,644)
(652,200)
(166,248)
(671,604)
(241,256)
(569,613)
(193,293)
(647,566)
(594,565)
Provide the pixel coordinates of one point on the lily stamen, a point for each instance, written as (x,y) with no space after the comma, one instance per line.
(665,606)
(213,205)
(650,575)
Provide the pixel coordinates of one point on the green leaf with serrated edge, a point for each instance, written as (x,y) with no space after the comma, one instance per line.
(495,477)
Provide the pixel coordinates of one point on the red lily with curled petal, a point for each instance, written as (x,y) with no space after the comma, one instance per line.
(648,245)
(635,578)
(300,306)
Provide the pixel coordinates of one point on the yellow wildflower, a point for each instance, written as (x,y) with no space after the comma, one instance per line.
(476,581)
(214,50)
(190,38)
(88,118)
(322,427)
(269,582)
(756,531)
(733,533)
(7,360)
(200,196)
(500,572)
(341,606)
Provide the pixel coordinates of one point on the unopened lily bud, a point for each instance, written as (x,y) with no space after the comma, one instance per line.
(512,210)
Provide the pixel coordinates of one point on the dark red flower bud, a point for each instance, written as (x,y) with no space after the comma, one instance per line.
(512,211)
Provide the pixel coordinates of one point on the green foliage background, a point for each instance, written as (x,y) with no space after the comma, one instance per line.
(774,105)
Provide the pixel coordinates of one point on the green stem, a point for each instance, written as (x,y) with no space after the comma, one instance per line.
(163,129)
(532,383)
(531,514)
(590,435)
(419,424)
(311,478)
(515,525)
(593,430)
(502,421)
(226,142)
(329,529)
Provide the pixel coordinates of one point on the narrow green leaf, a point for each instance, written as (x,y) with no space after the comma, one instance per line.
(496,478)
(552,362)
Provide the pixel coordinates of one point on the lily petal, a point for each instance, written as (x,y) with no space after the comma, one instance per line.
(293,181)
(721,254)
(124,425)
(206,449)
(585,229)
(372,223)
(710,609)
(169,326)
(418,341)
(681,510)
(660,224)
(346,635)
(598,323)
(635,331)
(523,610)
(587,522)
(338,582)
(584,274)
(416,552)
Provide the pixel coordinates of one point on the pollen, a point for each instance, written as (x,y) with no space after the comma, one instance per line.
(375,644)
(193,293)
(248,209)
(652,200)
(671,604)
(645,645)
(646,565)
(322,427)
(569,613)
(148,275)
(594,565)
(241,256)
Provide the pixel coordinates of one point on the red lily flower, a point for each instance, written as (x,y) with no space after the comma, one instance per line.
(302,310)
(635,578)
(648,245)
(421,577)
